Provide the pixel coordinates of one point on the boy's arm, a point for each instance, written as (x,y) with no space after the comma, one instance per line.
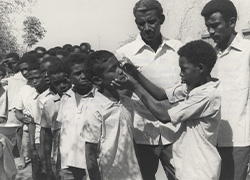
(91,160)
(157,92)
(157,108)
(34,155)
(21,117)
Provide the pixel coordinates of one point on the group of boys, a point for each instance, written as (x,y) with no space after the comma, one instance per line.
(82,124)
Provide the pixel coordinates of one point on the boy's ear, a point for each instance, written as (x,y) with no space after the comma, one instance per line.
(97,80)
(201,66)
(232,22)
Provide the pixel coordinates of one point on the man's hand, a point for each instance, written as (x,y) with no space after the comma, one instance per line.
(129,67)
(28,119)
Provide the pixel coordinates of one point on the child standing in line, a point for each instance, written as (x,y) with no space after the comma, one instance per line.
(27,108)
(73,105)
(108,130)
(50,127)
(195,105)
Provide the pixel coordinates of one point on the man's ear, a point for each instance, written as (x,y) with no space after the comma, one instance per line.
(232,22)
(162,18)
(97,80)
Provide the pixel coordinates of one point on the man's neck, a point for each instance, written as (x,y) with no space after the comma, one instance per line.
(224,45)
(82,91)
(155,43)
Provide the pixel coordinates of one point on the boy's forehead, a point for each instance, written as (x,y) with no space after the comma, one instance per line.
(34,72)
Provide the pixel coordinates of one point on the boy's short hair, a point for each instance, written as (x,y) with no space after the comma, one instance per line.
(28,58)
(94,62)
(51,59)
(86,45)
(34,66)
(225,7)
(145,5)
(67,47)
(12,55)
(62,52)
(199,52)
(40,48)
(72,59)
(58,67)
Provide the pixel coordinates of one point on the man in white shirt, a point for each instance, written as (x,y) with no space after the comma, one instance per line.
(158,61)
(233,70)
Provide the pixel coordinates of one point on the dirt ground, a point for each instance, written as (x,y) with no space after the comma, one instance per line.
(25,174)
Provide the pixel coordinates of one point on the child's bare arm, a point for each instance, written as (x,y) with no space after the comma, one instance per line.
(157,108)
(91,160)
(21,117)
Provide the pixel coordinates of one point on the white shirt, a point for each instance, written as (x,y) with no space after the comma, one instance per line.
(195,156)
(110,125)
(161,68)
(70,115)
(233,70)
(27,102)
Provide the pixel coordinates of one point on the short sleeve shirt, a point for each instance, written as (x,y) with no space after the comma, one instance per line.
(71,148)
(161,68)
(194,152)
(109,124)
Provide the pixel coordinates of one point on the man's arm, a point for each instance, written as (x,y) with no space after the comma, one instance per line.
(91,160)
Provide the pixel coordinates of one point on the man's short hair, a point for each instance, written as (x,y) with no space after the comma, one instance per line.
(199,52)
(72,59)
(145,5)
(225,7)
(93,64)
(28,58)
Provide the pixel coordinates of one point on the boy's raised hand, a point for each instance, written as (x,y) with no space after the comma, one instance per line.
(127,83)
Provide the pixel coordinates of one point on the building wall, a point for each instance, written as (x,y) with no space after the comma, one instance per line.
(184,22)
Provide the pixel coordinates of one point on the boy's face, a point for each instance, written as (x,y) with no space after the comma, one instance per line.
(44,70)
(12,63)
(190,74)
(111,71)
(35,79)
(60,82)
(78,78)
(24,69)
(219,29)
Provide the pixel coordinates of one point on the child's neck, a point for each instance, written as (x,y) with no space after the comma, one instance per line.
(111,94)
(203,81)
(79,92)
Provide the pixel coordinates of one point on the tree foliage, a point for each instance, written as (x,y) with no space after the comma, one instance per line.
(33,31)
(8,41)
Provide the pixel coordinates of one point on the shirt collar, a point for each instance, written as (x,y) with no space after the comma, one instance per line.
(212,84)
(105,102)
(140,45)
(71,93)
(236,43)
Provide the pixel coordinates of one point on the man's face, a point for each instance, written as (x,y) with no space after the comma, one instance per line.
(35,79)
(111,72)
(60,82)
(219,29)
(24,69)
(44,70)
(78,78)
(190,74)
(149,24)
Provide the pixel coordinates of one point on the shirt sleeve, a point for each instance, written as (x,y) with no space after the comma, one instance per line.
(92,128)
(19,104)
(195,107)
(176,93)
